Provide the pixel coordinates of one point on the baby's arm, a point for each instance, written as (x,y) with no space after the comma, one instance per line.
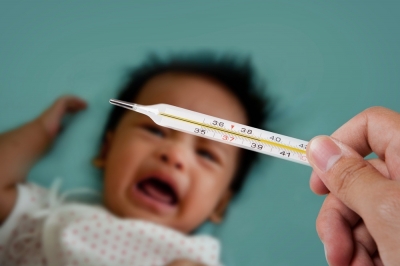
(21,147)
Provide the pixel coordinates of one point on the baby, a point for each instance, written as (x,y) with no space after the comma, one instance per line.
(159,184)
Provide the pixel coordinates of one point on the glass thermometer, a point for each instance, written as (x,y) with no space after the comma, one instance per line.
(222,130)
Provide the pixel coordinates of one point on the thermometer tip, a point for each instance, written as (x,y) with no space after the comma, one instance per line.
(122,104)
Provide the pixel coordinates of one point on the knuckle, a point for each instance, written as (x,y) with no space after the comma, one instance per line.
(376,113)
(349,175)
(375,109)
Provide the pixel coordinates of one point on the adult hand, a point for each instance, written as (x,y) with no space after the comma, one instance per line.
(359,222)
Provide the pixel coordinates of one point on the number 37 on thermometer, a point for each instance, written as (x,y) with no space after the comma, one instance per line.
(221,130)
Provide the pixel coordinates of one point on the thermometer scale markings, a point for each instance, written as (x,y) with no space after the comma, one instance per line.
(275,144)
(280,146)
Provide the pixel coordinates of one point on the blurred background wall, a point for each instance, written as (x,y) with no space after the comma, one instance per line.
(323,62)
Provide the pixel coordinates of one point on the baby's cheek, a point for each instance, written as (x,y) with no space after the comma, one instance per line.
(200,207)
(192,219)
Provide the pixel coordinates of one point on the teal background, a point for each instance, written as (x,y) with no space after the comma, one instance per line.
(324,62)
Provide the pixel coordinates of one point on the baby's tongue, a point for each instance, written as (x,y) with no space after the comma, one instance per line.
(158,192)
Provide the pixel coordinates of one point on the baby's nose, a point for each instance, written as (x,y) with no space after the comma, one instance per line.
(174,154)
(174,161)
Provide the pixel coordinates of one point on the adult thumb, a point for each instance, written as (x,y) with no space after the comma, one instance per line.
(347,175)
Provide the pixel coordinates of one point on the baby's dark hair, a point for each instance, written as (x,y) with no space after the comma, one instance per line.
(234,72)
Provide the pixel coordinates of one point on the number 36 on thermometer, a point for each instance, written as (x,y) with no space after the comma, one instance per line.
(221,130)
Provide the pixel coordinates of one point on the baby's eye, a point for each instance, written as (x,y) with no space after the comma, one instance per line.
(155,131)
(206,154)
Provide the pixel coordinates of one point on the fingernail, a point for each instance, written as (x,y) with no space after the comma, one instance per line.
(324,153)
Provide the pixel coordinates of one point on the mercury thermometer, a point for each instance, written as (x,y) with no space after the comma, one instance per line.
(222,130)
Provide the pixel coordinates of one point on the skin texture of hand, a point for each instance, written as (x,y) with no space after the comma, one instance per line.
(359,222)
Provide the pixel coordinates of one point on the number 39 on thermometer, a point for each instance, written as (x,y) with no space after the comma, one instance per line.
(221,130)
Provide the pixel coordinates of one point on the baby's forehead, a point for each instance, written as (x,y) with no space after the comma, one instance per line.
(194,92)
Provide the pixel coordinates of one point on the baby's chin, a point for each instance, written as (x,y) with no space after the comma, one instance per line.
(127,209)
(169,222)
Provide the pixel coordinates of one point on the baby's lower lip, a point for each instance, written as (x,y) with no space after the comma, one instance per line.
(147,202)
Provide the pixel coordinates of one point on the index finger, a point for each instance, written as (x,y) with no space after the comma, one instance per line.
(377,130)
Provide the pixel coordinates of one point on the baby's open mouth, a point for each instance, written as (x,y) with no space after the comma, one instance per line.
(158,190)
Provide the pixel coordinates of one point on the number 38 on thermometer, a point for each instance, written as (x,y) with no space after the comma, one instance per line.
(221,130)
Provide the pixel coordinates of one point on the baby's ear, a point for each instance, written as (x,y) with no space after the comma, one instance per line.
(218,213)
(100,159)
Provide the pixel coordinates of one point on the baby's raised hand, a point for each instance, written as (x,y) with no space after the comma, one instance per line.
(51,118)
(21,147)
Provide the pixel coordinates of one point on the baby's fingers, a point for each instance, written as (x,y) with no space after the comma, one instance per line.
(51,119)
(63,105)
(71,104)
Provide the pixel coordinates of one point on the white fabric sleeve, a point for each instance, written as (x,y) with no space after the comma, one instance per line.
(30,197)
